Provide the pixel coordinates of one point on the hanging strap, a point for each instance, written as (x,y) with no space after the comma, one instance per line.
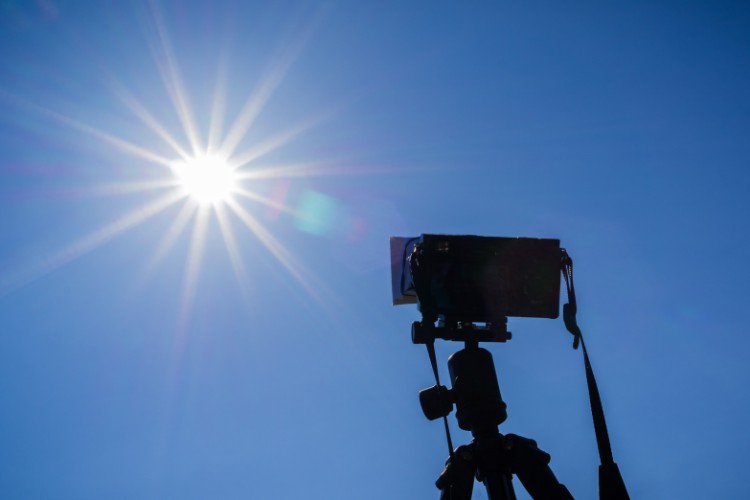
(433,361)
(611,485)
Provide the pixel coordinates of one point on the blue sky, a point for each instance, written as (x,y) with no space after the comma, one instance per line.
(152,348)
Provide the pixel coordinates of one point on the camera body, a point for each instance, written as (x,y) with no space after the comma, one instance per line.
(477,278)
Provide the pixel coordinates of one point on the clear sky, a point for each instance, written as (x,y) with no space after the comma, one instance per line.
(155,347)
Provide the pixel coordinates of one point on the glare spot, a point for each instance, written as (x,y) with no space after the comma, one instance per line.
(317,213)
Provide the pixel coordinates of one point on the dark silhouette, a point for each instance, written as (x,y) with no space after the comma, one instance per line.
(460,282)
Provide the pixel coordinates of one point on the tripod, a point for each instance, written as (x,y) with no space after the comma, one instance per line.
(492,457)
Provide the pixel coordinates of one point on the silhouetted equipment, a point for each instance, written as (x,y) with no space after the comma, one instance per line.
(481,279)
(466,287)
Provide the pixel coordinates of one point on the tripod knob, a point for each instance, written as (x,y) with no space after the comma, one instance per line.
(436,402)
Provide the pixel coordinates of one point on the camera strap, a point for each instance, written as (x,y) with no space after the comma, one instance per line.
(611,485)
(433,361)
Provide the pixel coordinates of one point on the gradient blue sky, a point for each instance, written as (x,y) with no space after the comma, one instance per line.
(152,351)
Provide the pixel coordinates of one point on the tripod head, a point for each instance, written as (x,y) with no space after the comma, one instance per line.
(475,393)
(475,389)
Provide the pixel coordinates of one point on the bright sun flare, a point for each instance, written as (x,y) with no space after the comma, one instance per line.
(208,179)
(206,172)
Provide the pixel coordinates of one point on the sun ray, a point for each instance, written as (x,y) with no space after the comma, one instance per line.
(311,169)
(170,74)
(121,188)
(272,244)
(218,107)
(86,244)
(249,113)
(119,143)
(193,267)
(315,288)
(232,248)
(270,144)
(169,239)
(150,121)
(258,99)
(280,171)
(269,202)
(111,189)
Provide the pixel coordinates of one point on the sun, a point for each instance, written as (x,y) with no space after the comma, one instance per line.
(210,173)
(208,179)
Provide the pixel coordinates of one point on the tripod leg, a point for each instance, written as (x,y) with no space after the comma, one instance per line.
(531,465)
(499,486)
(456,482)
(493,467)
